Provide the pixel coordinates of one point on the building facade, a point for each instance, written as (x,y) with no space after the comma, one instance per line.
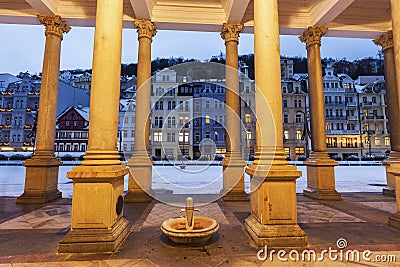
(373,119)
(342,115)
(72,130)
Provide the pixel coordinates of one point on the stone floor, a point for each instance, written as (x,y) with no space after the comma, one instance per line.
(29,234)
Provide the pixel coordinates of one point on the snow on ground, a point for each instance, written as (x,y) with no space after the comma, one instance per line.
(204,179)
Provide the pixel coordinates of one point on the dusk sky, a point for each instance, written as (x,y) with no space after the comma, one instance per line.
(22,47)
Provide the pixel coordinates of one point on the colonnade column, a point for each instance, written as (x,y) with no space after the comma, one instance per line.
(140,165)
(97,222)
(320,168)
(42,170)
(394,169)
(392,98)
(273,219)
(233,164)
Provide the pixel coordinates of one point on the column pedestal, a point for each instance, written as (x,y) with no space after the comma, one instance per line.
(41,180)
(321,177)
(233,177)
(392,161)
(97,210)
(394,220)
(273,219)
(140,178)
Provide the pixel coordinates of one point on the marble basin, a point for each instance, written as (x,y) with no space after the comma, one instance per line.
(203,229)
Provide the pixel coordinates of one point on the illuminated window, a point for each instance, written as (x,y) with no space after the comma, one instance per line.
(387,141)
(377,141)
(366,127)
(249,135)
(299,134)
(286,135)
(299,150)
(248,118)
(331,142)
(287,151)
(157,137)
(207,119)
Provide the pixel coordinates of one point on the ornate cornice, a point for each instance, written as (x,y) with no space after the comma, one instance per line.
(230,32)
(145,28)
(313,35)
(385,40)
(54,25)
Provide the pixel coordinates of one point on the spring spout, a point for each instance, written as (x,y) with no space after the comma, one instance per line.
(189,212)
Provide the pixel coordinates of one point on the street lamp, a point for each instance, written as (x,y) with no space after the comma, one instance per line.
(369,133)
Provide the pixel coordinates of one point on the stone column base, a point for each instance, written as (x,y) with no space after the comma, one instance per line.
(276,235)
(41,181)
(95,240)
(322,194)
(234,195)
(140,179)
(321,177)
(389,191)
(233,177)
(394,220)
(393,161)
(137,196)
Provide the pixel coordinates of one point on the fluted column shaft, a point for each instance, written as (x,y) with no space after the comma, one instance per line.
(320,168)
(104,95)
(41,179)
(140,165)
(312,38)
(272,222)
(230,33)
(146,30)
(233,163)
(46,127)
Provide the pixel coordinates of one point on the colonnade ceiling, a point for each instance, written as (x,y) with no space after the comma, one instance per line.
(344,18)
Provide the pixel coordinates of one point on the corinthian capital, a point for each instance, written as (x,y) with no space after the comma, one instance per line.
(313,35)
(230,32)
(54,25)
(145,28)
(385,40)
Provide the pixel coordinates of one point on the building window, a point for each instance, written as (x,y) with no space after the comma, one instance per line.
(248,118)
(387,141)
(132,133)
(285,103)
(285,118)
(207,119)
(373,99)
(376,127)
(366,126)
(170,137)
(157,137)
(298,118)
(299,150)
(207,134)
(197,137)
(249,135)
(349,142)
(287,151)
(331,142)
(377,141)
(286,135)
(207,104)
(184,137)
(299,135)
(125,133)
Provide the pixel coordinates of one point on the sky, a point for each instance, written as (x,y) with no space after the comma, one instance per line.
(22,47)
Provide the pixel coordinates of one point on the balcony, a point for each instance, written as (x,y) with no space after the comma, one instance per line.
(334,104)
(335,118)
(351,104)
(352,118)
(342,132)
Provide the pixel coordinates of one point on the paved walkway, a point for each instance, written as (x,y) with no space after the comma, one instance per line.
(29,234)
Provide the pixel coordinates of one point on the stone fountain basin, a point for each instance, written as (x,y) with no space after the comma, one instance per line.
(203,229)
